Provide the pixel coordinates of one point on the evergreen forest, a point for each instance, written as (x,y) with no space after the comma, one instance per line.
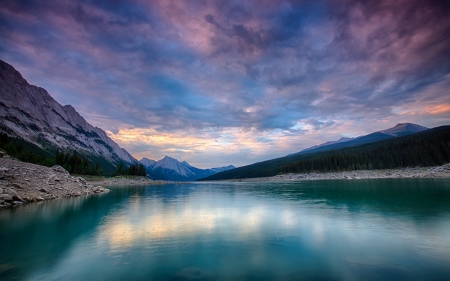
(132,170)
(427,148)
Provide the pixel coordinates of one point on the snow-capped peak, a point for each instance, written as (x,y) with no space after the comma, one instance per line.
(169,163)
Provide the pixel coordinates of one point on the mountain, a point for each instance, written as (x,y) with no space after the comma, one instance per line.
(148,163)
(170,168)
(221,169)
(341,140)
(404,136)
(401,129)
(28,112)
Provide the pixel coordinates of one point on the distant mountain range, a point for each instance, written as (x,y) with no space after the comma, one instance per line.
(401,129)
(275,166)
(29,113)
(170,168)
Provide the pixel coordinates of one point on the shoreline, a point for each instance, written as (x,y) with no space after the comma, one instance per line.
(126,180)
(23,182)
(418,172)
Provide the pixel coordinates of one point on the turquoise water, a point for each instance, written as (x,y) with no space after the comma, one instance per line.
(393,229)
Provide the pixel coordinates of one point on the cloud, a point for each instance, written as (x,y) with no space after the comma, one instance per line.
(294,69)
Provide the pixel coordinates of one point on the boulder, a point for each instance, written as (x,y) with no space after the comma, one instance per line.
(60,170)
(98,189)
(2,174)
(6,197)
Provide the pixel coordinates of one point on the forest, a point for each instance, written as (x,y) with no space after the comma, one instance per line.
(427,148)
(73,162)
(76,163)
(408,151)
(26,151)
(132,170)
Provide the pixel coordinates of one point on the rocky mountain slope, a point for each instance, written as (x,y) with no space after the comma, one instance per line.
(401,129)
(22,182)
(30,113)
(172,169)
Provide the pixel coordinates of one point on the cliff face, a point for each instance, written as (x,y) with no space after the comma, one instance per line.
(29,112)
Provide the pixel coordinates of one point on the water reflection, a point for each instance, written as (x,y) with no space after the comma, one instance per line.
(323,230)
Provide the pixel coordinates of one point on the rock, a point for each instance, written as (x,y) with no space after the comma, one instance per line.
(10,191)
(80,179)
(193,273)
(2,174)
(16,185)
(98,189)
(6,197)
(43,190)
(2,154)
(60,170)
(1,190)
(17,203)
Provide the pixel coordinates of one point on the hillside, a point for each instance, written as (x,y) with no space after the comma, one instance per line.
(31,116)
(401,129)
(426,148)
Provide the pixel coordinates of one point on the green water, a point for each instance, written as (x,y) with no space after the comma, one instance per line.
(395,229)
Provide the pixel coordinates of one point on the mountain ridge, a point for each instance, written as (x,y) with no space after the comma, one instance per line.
(30,113)
(401,129)
(275,166)
(172,169)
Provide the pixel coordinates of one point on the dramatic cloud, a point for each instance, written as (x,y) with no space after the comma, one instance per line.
(234,82)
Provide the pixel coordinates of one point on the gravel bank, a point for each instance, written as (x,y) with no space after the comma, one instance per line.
(22,182)
(429,172)
(128,181)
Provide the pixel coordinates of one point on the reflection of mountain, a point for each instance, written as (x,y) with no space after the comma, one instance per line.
(407,197)
(135,233)
(40,233)
(170,168)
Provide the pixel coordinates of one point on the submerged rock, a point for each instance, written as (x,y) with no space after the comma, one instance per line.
(193,273)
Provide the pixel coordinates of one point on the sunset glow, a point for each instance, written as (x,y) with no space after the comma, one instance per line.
(235,82)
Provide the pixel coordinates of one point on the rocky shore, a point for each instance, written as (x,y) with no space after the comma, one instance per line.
(22,182)
(125,180)
(418,172)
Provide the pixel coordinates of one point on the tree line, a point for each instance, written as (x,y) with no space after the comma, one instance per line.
(133,170)
(427,148)
(423,149)
(76,163)
(25,151)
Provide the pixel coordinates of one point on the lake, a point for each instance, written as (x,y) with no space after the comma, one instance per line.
(390,229)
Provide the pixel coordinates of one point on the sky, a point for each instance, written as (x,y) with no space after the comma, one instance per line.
(235,82)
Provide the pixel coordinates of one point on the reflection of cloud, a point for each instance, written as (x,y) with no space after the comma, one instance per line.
(155,221)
